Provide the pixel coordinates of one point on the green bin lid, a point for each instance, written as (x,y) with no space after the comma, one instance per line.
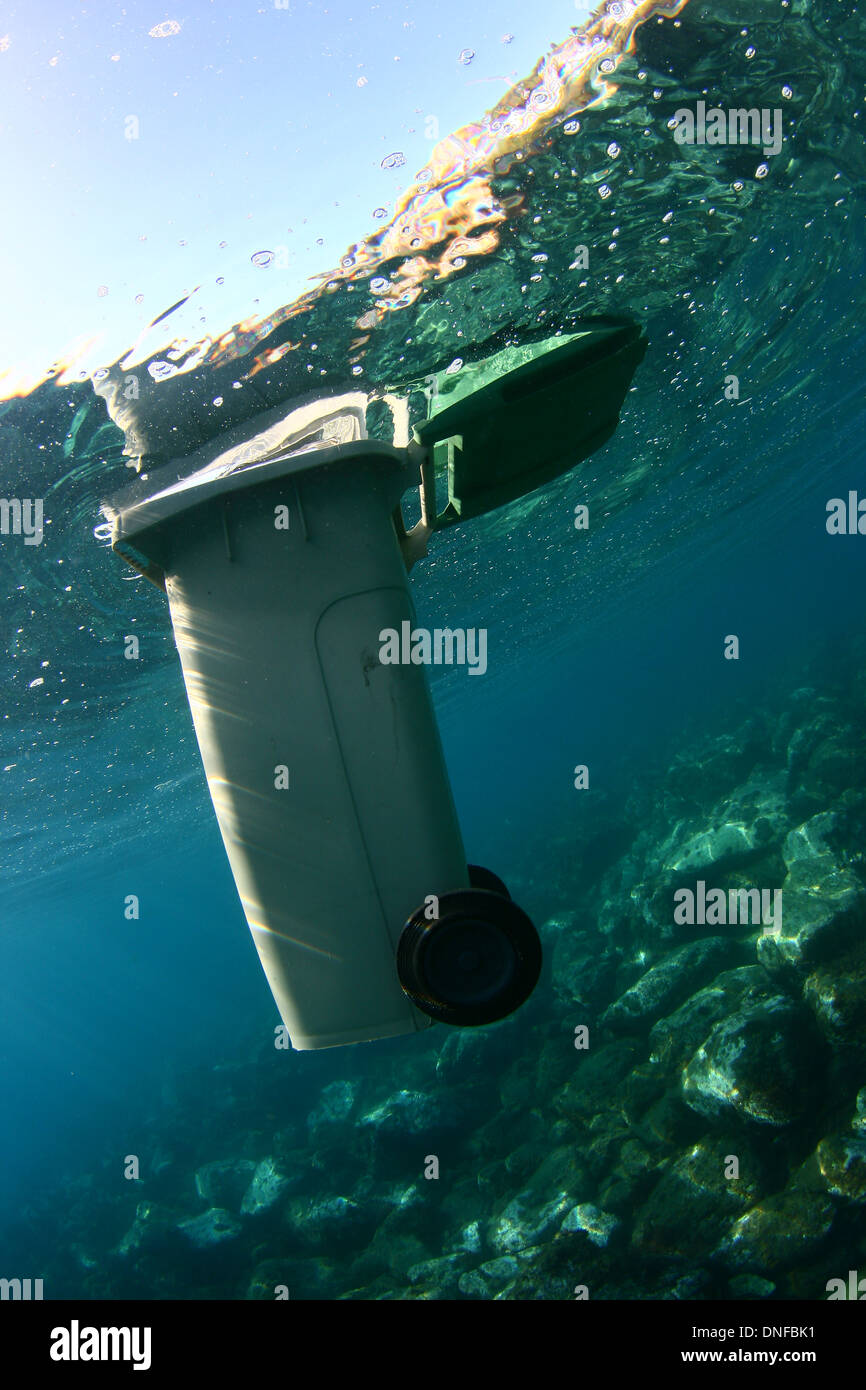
(535,422)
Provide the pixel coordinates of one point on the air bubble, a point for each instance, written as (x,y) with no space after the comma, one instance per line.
(394,161)
(787,92)
(380,285)
(459,262)
(262,258)
(454,366)
(762,171)
(161,371)
(571,127)
(751,51)
(604,191)
(347,262)
(217,400)
(466,55)
(221,279)
(606,65)
(379,213)
(540,257)
(356,370)
(613,149)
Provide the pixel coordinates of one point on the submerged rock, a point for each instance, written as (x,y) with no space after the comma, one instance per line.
(782,1230)
(522,1223)
(268,1184)
(329,1223)
(824,903)
(836,994)
(675,1038)
(223,1182)
(596,1073)
(842,1164)
(582,973)
(335,1105)
(750,1286)
(667,984)
(690,1208)
(488,1278)
(153,1229)
(412,1112)
(598,1225)
(211,1228)
(441,1276)
(759,1064)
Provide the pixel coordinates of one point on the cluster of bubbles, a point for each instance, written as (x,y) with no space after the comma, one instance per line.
(164,30)
(394,161)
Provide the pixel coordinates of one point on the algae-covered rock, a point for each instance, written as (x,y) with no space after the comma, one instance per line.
(824,903)
(597,1071)
(524,1223)
(223,1182)
(267,1185)
(689,1209)
(152,1230)
(598,1225)
(488,1278)
(213,1227)
(412,1112)
(836,994)
(760,1064)
(780,1231)
(750,1286)
(438,1276)
(674,1039)
(842,1164)
(666,985)
(335,1106)
(328,1223)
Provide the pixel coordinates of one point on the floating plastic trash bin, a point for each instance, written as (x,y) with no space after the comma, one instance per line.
(284,558)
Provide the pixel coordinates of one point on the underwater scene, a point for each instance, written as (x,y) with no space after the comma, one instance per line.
(433,753)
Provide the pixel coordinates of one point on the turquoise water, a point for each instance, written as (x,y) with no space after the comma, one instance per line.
(708,514)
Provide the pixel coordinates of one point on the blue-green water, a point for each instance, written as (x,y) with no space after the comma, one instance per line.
(708,516)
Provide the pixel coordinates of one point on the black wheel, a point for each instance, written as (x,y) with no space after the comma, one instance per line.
(477,962)
(484,878)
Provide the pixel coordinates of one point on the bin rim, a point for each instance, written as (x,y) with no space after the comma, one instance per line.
(171,502)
